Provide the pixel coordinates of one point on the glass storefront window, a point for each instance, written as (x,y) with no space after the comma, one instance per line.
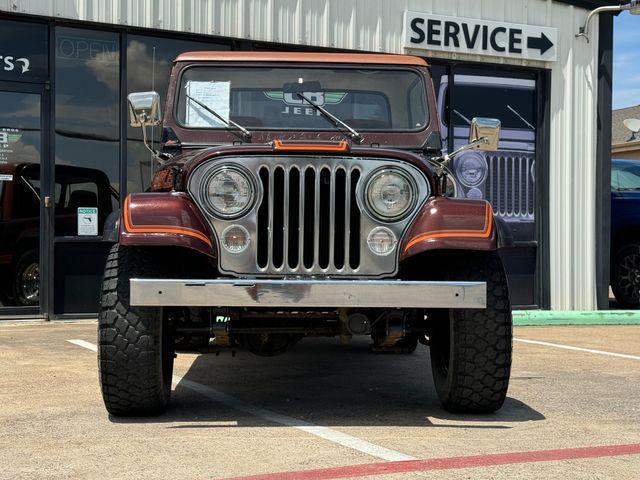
(149,62)
(87,128)
(20,154)
(24,54)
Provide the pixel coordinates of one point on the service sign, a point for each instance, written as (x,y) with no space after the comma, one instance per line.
(424,31)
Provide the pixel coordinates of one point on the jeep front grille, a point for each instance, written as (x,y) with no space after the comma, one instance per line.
(309,220)
(511,186)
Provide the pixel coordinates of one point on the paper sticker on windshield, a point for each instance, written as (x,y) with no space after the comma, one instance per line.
(207,97)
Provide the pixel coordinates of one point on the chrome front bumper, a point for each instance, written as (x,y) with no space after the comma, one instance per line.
(307,293)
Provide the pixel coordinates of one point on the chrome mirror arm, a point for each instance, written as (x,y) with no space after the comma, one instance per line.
(445,159)
(442,164)
(469,146)
(145,140)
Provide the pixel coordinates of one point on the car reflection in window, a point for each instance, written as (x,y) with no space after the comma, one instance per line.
(20,221)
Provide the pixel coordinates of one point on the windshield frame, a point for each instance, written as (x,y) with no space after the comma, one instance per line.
(330,128)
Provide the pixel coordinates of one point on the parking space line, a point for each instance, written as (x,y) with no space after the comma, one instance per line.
(578,349)
(325,433)
(84,344)
(451,463)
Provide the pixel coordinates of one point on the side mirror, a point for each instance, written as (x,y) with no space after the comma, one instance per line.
(144,109)
(487,129)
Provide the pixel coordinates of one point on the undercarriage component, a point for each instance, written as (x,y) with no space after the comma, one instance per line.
(271,332)
(220,321)
(392,332)
(200,330)
(358,324)
(268,344)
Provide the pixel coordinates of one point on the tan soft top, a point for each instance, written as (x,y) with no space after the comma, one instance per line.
(301,57)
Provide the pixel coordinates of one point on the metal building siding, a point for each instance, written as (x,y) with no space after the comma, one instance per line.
(377,25)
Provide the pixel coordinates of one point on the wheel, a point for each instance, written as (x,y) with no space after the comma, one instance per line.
(625,278)
(26,278)
(471,349)
(135,352)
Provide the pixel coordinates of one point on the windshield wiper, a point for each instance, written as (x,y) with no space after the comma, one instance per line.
(513,110)
(335,120)
(228,123)
(462,116)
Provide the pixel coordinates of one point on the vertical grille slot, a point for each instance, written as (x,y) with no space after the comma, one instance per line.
(354,222)
(263,221)
(511,185)
(339,238)
(293,226)
(324,217)
(277,232)
(308,220)
(309,209)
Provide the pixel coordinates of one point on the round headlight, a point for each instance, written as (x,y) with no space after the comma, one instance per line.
(390,194)
(471,169)
(229,192)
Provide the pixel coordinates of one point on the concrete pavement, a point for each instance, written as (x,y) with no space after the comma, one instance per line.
(320,405)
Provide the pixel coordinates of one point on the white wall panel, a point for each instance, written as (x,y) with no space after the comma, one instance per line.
(377,25)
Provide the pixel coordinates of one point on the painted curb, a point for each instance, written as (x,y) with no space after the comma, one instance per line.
(571,317)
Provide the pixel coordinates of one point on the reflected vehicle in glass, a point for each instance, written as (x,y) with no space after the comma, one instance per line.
(504,177)
(625,232)
(75,188)
(300,195)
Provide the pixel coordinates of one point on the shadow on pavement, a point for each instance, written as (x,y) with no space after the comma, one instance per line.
(325,383)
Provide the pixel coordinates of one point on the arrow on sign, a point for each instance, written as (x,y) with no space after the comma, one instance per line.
(25,64)
(540,43)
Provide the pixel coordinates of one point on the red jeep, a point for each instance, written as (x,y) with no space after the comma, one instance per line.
(299,195)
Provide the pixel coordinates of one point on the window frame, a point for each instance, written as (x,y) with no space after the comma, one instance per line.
(419,78)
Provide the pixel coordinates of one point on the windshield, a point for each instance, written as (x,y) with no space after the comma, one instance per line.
(514,107)
(267,98)
(625,177)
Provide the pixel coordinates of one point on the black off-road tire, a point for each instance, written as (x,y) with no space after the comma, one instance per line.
(625,278)
(471,349)
(135,353)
